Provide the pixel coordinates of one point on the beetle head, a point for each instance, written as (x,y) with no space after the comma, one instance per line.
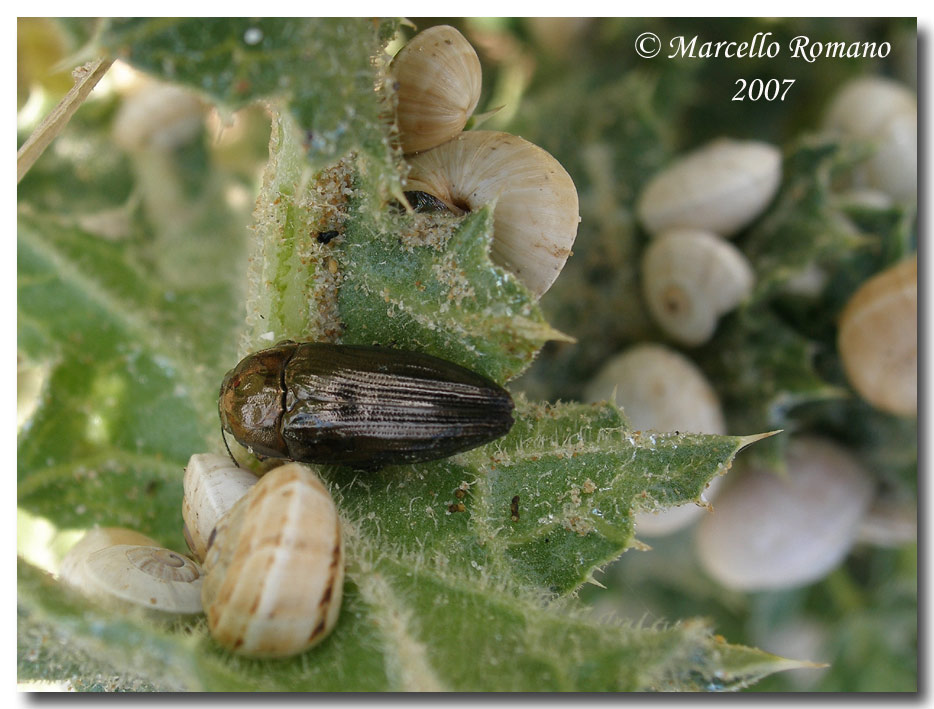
(251,401)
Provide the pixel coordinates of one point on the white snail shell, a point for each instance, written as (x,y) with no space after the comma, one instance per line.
(158,581)
(690,278)
(878,339)
(31,377)
(536,213)
(438,77)
(864,197)
(661,390)
(884,112)
(863,106)
(212,485)
(158,117)
(72,568)
(894,166)
(720,187)
(274,572)
(770,531)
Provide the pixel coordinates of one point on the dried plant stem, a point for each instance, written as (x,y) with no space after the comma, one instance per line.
(86,78)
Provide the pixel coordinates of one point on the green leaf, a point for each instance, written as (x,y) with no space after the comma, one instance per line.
(544,507)
(804,226)
(774,360)
(466,641)
(420,282)
(765,372)
(128,394)
(326,70)
(609,135)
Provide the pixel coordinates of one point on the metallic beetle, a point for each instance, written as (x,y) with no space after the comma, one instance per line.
(361,406)
(424,202)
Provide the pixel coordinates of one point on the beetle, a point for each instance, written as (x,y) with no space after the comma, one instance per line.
(424,202)
(359,405)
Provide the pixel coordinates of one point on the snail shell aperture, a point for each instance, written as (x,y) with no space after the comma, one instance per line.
(536,214)
(690,278)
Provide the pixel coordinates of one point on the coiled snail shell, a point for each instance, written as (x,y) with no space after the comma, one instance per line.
(158,117)
(878,339)
(438,78)
(160,582)
(212,485)
(536,214)
(274,572)
(863,106)
(72,569)
(690,278)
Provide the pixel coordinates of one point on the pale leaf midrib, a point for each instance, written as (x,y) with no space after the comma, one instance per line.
(65,471)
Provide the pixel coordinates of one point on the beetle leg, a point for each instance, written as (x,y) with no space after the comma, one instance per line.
(224,436)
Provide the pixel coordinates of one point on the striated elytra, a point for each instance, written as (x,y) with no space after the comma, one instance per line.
(360,406)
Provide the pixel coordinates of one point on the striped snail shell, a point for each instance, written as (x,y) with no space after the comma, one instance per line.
(274,572)
(438,78)
(212,484)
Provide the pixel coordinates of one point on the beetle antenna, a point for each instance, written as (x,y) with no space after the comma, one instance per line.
(224,436)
